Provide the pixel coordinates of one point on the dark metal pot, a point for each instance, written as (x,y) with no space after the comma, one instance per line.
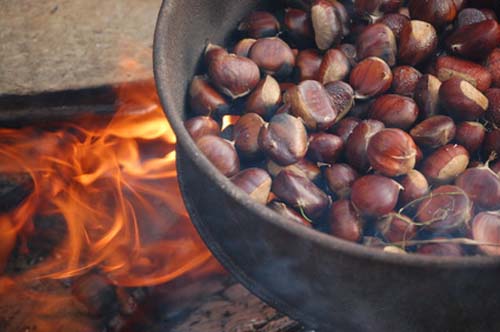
(326,283)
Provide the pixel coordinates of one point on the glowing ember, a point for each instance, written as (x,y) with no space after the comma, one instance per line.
(115,187)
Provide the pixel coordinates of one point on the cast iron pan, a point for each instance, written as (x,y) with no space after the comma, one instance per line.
(328,284)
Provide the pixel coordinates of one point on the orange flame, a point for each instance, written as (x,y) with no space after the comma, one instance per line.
(115,187)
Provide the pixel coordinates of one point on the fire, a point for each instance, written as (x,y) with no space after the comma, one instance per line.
(113,188)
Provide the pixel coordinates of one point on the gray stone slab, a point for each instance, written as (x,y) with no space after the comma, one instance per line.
(53,45)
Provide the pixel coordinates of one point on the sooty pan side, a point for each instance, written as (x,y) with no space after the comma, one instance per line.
(326,283)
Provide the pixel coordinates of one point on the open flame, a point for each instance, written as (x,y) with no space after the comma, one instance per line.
(114,187)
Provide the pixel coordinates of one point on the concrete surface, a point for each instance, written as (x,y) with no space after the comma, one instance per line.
(54,45)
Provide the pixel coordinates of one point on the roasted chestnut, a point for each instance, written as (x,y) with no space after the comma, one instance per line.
(375,195)
(475,41)
(284,139)
(434,132)
(265,98)
(255,182)
(246,135)
(444,165)
(205,100)
(486,230)
(308,64)
(405,79)
(334,67)
(339,178)
(324,148)
(341,98)
(394,111)
(392,152)
(202,125)
(259,24)
(482,185)
(300,193)
(371,77)
(417,42)
(357,144)
(221,153)
(415,185)
(273,56)
(449,67)
(470,135)
(345,223)
(462,100)
(395,227)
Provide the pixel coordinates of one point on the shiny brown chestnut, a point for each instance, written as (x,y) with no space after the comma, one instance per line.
(486,230)
(470,134)
(341,98)
(482,185)
(265,98)
(461,100)
(284,139)
(395,22)
(405,79)
(300,193)
(447,209)
(334,67)
(392,152)
(246,135)
(375,195)
(339,178)
(326,23)
(289,213)
(449,67)
(370,77)
(434,132)
(233,75)
(493,113)
(493,66)
(242,48)
(213,51)
(310,101)
(395,227)
(357,144)
(470,16)
(439,13)
(417,42)
(299,25)
(492,142)
(324,148)
(303,167)
(259,24)
(201,126)
(377,40)
(427,95)
(221,153)
(273,56)
(205,100)
(415,185)
(308,63)
(394,111)
(256,182)
(445,164)
(345,127)
(345,222)
(475,41)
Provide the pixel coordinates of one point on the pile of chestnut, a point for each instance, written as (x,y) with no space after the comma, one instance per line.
(377,121)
